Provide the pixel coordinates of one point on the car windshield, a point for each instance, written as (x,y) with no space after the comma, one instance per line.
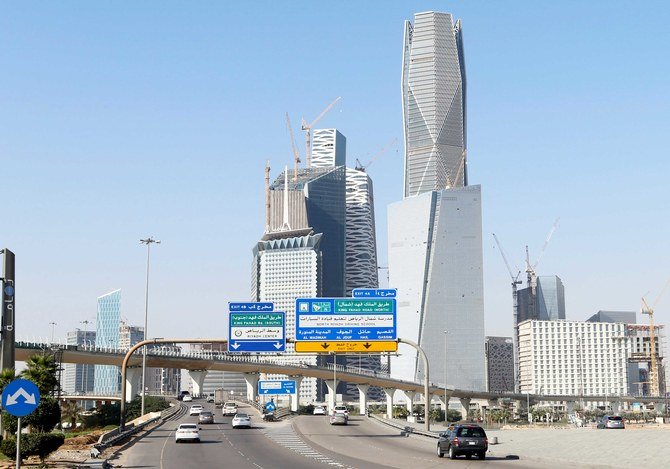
(188,427)
(614,418)
(474,432)
(205,414)
(242,416)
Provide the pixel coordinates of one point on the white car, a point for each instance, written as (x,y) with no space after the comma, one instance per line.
(187,398)
(241,420)
(341,409)
(319,410)
(195,410)
(229,408)
(187,431)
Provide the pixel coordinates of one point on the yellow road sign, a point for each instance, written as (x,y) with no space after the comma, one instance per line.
(343,347)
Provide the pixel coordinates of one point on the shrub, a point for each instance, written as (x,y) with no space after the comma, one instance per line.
(33,444)
(45,417)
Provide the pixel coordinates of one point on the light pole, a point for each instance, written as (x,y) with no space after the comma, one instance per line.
(334,381)
(446,399)
(53,328)
(149,241)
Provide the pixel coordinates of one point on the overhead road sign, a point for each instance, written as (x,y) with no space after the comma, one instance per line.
(276,387)
(20,397)
(257,332)
(345,319)
(374,292)
(346,347)
(254,306)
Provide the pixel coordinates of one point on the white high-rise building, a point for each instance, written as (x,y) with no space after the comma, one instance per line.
(329,148)
(573,358)
(78,378)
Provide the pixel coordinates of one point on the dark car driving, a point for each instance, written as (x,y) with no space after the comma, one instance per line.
(467,439)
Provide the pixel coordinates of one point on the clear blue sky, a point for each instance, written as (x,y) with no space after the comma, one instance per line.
(121,120)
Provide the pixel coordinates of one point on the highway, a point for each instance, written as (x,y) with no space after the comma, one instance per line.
(300,442)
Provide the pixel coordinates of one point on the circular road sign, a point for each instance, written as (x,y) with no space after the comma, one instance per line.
(20,397)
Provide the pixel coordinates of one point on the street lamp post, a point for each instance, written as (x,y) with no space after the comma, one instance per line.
(149,241)
(446,399)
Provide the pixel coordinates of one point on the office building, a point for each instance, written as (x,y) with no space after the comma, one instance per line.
(328,148)
(435,232)
(434,105)
(435,262)
(79,378)
(499,364)
(626,317)
(548,303)
(108,319)
(129,335)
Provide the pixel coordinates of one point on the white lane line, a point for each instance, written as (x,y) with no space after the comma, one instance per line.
(164,445)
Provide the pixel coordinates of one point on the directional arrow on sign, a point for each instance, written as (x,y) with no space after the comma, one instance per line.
(13,398)
(277,345)
(235,345)
(325,345)
(367,345)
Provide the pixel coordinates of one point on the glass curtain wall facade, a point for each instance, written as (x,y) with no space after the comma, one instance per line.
(549,302)
(434,111)
(108,320)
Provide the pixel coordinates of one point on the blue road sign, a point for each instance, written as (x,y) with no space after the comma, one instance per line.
(374,292)
(251,307)
(20,397)
(276,387)
(345,319)
(257,331)
(270,406)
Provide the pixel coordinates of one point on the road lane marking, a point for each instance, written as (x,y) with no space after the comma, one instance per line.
(164,445)
(286,437)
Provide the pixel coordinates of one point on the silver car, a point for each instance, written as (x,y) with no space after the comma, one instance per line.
(611,421)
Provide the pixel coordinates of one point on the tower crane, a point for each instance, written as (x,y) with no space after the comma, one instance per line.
(296,155)
(653,366)
(308,127)
(515,337)
(361,167)
(530,269)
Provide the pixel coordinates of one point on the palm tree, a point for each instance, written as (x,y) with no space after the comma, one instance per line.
(6,376)
(70,411)
(41,369)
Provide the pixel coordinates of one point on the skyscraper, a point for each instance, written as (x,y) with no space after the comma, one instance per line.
(108,377)
(435,232)
(433,90)
(78,378)
(499,364)
(328,148)
(548,304)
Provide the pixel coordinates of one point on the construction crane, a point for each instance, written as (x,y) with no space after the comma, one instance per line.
(360,167)
(308,127)
(653,366)
(530,269)
(296,155)
(515,337)
(461,167)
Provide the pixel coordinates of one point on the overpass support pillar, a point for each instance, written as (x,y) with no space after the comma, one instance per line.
(252,385)
(389,402)
(363,398)
(197,378)
(295,398)
(616,407)
(570,407)
(410,400)
(132,382)
(465,408)
(331,384)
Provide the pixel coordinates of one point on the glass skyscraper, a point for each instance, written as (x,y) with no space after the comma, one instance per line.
(435,232)
(549,303)
(108,320)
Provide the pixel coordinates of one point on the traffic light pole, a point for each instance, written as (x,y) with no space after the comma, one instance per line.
(7,354)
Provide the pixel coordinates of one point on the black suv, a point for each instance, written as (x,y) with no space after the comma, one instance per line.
(467,439)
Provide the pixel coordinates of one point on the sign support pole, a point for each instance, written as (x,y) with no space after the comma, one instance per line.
(18,442)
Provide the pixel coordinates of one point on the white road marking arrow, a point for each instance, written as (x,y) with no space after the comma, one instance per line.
(277,345)
(235,345)
(13,398)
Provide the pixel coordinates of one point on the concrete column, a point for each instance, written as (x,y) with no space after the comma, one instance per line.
(465,408)
(444,405)
(133,376)
(332,394)
(389,402)
(363,398)
(616,407)
(252,385)
(197,378)
(295,398)
(410,400)
(570,407)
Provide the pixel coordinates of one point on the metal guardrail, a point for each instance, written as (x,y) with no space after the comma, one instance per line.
(406,429)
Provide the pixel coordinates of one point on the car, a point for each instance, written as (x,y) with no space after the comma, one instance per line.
(210,397)
(338,418)
(206,417)
(611,421)
(341,409)
(241,420)
(187,432)
(229,408)
(181,395)
(195,409)
(466,439)
(187,398)
(319,410)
